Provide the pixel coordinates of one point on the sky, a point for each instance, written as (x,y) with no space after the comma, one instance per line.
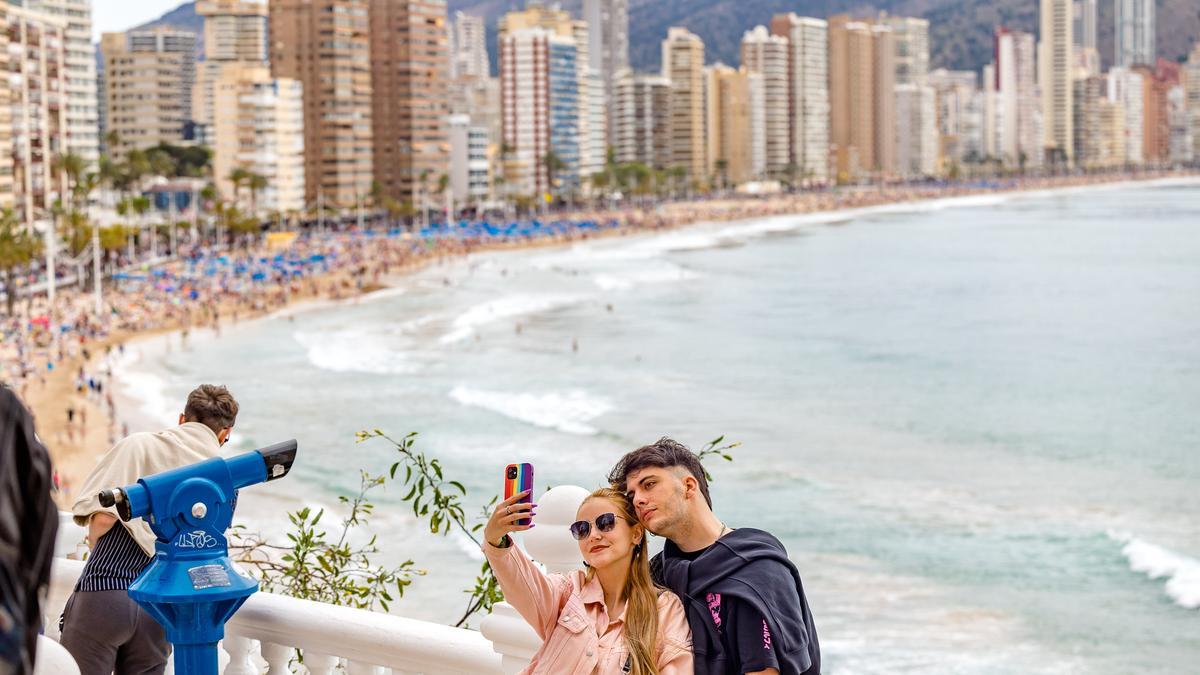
(118,15)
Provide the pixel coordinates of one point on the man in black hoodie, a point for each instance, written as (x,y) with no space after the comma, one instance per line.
(745,602)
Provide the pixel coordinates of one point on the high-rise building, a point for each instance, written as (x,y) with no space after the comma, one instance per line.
(916,130)
(1181,143)
(166,40)
(683,65)
(1134,32)
(540,110)
(325,44)
(235,34)
(470,161)
(1084,13)
(33,123)
(591,144)
(83,106)
(1099,125)
(1125,89)
(955,92)
(258,126)
(409,64)
(734,103)
(1192,84)
(808,93)
(468,47)
(147,88)
(642,119)
(862,98)
(911,37)
(608,43)
(1056,68)
(767,55)
(1017,108)
(1156,130)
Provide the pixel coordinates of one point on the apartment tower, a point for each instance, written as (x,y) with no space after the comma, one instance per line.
(808,94)
(325,45)
(235,34)
(767,55)
(683,66)
(1134,32)
(148,80)
(1056,65)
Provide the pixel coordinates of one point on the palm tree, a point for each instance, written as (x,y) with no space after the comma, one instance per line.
(18,247)
(257,183)
(553,164)
(237,177)
(141,205)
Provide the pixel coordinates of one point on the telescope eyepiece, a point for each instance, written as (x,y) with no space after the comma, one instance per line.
(116,497)
(279,458)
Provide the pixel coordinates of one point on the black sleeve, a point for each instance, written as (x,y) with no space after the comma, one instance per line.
(748,638)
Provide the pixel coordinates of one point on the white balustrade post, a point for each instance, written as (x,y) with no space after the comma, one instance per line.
(277,657)
(238,648)
(355,668)
(551,544)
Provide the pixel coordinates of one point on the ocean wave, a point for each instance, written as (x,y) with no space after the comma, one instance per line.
(568,411)
(508,307)
(352,351)
(657,275)
(1156,562)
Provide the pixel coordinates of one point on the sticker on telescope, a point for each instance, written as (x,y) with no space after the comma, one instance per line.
(208,576)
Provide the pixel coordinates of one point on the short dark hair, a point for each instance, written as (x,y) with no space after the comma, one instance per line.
(211,405)
(663,453)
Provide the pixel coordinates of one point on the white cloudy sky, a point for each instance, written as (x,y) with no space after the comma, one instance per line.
(117,15)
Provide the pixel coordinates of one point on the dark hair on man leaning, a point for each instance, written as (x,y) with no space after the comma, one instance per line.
(211,405)
(663,453)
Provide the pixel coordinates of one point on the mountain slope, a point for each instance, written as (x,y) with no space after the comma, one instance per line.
(960,30)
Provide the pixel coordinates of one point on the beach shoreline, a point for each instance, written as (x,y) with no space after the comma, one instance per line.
(75,446)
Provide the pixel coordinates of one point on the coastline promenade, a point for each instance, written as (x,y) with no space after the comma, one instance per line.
(60,360)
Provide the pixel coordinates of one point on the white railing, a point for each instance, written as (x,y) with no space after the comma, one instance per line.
(268,631)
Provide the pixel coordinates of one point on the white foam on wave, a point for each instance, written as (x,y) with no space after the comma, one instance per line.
(352,351)
(1156,562)
(568,411)
(511,306)
(657,275)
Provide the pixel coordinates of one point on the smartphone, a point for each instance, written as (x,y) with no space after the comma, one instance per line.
(519,478)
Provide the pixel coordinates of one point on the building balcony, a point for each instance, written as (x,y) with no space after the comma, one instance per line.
(269,629)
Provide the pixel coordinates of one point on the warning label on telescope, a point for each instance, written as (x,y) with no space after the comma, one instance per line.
(208,576)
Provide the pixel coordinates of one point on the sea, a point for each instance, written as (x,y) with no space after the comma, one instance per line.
(974,422)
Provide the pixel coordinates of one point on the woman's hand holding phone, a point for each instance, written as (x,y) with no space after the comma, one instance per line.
(504,518)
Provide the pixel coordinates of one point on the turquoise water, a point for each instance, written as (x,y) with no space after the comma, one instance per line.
(972,422)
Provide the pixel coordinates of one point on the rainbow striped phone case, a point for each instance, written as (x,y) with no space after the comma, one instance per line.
(519,478)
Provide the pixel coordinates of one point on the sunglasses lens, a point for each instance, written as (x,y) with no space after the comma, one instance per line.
(580,529)
(606,522)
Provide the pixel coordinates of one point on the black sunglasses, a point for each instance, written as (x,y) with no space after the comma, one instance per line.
(605,522)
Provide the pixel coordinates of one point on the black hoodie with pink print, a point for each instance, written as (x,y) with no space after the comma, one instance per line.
(747,571)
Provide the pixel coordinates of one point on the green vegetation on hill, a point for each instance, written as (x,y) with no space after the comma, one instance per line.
(960,30)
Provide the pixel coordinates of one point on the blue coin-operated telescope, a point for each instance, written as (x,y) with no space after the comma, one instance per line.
(192,587)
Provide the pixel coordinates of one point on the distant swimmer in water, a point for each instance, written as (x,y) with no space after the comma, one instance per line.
(609,307)
(574,344)
(518,329)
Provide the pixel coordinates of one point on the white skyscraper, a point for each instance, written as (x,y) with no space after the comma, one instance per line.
(1017,141)
(468,49)
(808,92)
(608,42)
(1085,23)
(83,107)
(1134,34)
(1193,97)
(767,55)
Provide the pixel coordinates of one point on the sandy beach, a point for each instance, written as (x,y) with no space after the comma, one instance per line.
(79,421)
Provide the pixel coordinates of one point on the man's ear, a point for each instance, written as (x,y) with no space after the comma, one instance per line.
(691,487)
(182,418)
(223,435)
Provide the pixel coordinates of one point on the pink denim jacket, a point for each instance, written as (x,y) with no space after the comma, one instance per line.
(569,615)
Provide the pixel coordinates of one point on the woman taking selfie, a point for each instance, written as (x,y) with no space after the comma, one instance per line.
(607,619)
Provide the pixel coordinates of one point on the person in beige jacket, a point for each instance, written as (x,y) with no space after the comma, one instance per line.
(609,619)
(103,629)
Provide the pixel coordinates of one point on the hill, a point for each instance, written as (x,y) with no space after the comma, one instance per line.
(960,30)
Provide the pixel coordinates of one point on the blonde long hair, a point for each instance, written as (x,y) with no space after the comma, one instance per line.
(640,593)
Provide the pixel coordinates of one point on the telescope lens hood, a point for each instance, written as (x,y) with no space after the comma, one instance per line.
(116,497)
(279,458)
